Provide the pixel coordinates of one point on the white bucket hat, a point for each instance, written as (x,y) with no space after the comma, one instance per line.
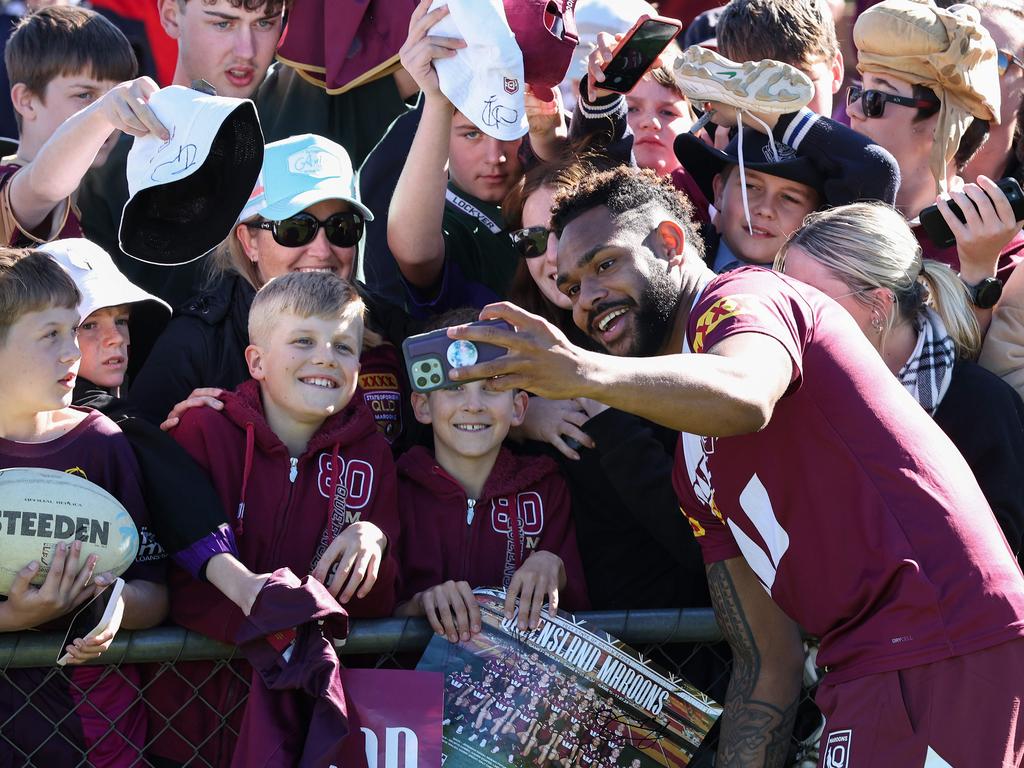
(485,80)
(98,279)
(185,193)
(102,285)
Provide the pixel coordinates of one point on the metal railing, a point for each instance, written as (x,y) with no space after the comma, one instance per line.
(686,642)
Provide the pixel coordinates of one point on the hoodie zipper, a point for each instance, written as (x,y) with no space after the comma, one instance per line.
(468,535)
(293,469)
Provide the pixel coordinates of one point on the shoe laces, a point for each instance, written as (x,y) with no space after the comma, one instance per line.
(743,172)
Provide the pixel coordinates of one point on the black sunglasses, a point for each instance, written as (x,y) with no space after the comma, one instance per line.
(343,229)
(873,102)
(530,241)
(1005,59)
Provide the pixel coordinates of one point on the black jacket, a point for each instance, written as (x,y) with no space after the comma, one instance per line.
(984,418)
(637,547)
(182,504)
(203,346)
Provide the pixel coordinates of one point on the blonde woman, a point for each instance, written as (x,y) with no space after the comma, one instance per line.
(915,312)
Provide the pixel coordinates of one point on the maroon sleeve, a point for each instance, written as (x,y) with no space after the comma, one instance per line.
(752,300)
(382,511)
(559,537)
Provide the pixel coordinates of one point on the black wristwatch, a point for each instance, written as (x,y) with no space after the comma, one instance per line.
(985,294)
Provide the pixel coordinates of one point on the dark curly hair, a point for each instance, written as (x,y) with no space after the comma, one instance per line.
(631,195)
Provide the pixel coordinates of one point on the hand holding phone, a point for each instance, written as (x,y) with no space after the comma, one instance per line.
(938,230)
(98,618)
(430,357)
(637,52)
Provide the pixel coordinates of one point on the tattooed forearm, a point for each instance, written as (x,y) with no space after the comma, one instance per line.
(755,731)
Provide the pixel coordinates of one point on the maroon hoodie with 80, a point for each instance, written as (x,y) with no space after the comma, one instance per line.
(279,508)
(524,507)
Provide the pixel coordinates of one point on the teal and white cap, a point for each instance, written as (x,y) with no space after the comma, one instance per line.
(301,171)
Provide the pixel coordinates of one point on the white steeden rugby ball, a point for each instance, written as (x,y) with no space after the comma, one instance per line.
(40,508)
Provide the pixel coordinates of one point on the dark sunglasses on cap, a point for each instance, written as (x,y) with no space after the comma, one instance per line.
(530,241)
(873,102)
(1005,59)
(343,229)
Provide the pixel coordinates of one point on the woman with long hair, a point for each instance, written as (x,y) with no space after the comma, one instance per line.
(916,313)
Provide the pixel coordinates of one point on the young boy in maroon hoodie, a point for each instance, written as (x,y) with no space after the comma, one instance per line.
(309,479)
(474,514)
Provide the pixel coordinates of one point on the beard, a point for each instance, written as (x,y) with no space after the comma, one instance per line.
(654,313)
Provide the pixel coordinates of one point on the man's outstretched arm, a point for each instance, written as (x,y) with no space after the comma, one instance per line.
(767,653)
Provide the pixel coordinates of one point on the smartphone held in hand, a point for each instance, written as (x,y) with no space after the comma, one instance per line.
(430,357)
(938,230)
(637,52)
(95,617)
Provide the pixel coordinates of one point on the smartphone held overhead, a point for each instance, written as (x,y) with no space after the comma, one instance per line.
(637,52)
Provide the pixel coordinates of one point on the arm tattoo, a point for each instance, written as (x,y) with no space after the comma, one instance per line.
(754,732)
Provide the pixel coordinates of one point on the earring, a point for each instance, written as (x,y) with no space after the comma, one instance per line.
(876,322)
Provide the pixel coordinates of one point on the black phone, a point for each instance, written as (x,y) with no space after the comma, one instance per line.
(430,357)
(938,230)
(637,51)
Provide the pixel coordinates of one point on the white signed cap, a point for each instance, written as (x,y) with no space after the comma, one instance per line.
(485,80)
(185,193)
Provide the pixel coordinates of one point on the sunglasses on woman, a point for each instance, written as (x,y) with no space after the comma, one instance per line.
(530,241)
(1005,59)
(343,229)
(872,102)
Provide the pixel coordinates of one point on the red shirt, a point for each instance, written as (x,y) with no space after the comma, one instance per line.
(858,515)
(62,223)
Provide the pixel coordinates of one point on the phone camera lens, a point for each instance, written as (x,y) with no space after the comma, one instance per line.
(425,367)
(421,382)
(435,379)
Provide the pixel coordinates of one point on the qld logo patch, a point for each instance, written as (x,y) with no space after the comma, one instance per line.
(721,310)
(384,397)
(511,85)
(837,749)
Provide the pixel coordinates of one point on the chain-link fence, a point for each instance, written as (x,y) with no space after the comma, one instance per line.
(687,643)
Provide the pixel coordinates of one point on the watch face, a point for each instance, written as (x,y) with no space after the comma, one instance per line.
(987,293)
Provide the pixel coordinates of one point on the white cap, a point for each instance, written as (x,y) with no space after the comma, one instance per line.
(301,171)
(485,80)
(185,193)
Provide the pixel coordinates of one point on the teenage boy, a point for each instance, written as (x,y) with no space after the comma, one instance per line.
(789,162)
(476,515)
(801,33)
(231,44)
(309,481)
(444,228)
(39,428)
(65,64)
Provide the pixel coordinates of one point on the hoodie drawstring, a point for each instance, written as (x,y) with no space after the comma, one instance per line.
(334,523)
(250,444)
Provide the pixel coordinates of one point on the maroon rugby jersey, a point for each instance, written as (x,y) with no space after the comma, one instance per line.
(859,516)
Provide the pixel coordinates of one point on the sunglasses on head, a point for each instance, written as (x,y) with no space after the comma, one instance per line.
(530,241)
(873,102)
(1004,59)
(343,229)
